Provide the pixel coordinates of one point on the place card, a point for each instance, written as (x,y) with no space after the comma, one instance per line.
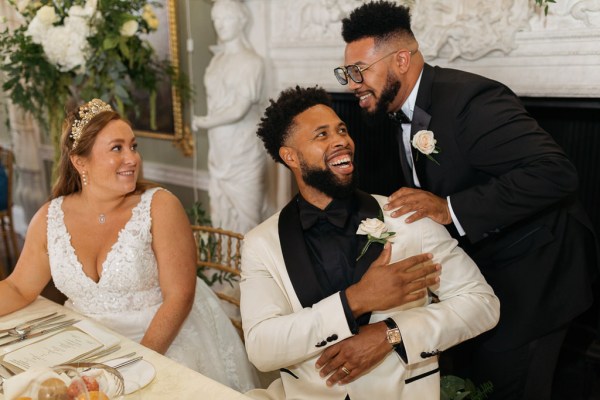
(54,350)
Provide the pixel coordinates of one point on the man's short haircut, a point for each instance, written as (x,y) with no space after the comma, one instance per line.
(277,123)
(381,20)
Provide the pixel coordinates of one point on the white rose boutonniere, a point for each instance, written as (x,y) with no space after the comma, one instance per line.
(425,143)
(376,232)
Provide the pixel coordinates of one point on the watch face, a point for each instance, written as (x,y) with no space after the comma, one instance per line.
(393,336)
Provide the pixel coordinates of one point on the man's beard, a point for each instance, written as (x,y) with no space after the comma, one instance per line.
(327,182)
(388,94)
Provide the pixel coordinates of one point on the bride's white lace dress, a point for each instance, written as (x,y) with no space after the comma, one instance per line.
(128,294)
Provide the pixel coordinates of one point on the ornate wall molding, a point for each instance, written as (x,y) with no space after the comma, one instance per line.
(509,40)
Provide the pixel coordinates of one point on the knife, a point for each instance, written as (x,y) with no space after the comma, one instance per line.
(43,332)
(29,322)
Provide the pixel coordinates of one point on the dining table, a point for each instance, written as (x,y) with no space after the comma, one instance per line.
(171,380)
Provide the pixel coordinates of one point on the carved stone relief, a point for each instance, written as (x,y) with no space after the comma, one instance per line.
(468,28)
(309,20)
(569,14)
(508,40)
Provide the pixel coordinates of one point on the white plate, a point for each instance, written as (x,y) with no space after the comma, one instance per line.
(137,375)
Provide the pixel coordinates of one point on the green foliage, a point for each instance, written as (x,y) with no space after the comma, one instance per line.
(114,65)
(207,249)
(544,4)
(455,388)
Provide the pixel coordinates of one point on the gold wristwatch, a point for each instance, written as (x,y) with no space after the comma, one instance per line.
(393,333)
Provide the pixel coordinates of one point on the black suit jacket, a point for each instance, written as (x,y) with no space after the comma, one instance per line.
(513,191)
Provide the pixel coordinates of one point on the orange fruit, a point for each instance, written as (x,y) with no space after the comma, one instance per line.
(94,395)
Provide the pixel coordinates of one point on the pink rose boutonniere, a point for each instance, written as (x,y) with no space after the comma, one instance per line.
(376,232)
(425,143)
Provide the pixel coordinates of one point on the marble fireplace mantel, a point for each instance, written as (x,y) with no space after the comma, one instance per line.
(509,40)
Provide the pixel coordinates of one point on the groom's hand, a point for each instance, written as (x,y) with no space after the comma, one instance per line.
(386,285)
(351,358)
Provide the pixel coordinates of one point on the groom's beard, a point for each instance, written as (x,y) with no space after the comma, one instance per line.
(388,94)
(327,182)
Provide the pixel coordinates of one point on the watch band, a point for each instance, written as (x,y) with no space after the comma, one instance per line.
(391,324)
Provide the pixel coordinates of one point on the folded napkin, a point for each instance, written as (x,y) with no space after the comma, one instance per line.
(23,384)
(99,333)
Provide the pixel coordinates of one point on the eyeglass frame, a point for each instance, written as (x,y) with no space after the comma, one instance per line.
(344,68)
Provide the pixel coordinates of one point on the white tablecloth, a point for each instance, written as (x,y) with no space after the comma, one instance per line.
(172,381)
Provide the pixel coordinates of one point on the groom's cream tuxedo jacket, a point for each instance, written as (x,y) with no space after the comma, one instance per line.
(287,324)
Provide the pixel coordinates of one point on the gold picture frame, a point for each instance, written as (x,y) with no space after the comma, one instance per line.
(170,126)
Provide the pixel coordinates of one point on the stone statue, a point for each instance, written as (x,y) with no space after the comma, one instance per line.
(236,158)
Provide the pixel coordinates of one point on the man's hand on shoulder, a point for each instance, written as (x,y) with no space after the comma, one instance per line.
(386,285)
(351,358)
(424,204)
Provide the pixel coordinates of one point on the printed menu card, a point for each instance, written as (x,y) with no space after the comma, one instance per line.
(54,350)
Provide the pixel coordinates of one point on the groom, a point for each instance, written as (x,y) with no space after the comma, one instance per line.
(339,323)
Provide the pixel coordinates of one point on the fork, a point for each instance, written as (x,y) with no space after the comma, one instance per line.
(57,326)
(28,322)
(23,329)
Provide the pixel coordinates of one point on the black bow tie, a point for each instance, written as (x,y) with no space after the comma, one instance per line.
(310,215)
(399,116)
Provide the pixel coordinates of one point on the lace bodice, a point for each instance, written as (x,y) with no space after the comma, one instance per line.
(129,279)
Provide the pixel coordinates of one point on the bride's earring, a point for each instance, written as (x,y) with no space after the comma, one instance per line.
(84,178)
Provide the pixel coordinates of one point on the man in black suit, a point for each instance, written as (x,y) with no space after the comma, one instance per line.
(479,164)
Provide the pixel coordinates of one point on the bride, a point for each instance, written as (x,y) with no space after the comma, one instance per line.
(122,251)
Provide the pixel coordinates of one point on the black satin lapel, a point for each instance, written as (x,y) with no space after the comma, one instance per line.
(420,122)
(368,208)
(406,171)
(295,255)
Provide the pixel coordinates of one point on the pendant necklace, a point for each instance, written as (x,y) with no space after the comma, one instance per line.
(102,218)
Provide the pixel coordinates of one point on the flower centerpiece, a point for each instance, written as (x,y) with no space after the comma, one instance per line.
(77,50)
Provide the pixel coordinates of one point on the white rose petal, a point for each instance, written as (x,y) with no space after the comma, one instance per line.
(22,5)
(424,142)
(129,28)
(372,226)
(46,15)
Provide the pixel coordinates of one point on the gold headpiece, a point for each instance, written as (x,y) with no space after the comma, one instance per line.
(86,112)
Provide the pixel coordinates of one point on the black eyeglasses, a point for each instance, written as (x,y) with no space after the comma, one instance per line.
(354,72)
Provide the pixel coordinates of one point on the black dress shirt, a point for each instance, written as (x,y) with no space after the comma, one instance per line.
(332,243)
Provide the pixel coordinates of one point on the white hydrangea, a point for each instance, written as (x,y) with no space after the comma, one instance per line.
(39,25)
(66,57)
(66,45)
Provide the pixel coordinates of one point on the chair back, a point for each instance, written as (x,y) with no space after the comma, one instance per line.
(6,177)
(218,256)
(11,246)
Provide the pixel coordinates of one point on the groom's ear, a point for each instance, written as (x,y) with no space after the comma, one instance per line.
(289,157)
